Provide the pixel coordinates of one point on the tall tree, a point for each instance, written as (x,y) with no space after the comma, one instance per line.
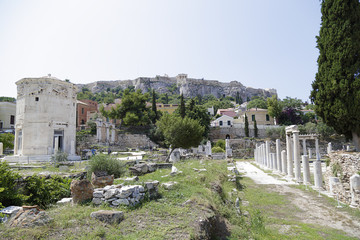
(274,107)
(182,106)
(256,130)
(336,89)
(153,107)
(246,126)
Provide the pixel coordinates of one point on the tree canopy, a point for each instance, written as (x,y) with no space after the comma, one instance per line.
(275,107)
(336,89)
(257,103)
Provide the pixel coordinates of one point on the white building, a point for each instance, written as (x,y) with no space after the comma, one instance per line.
(7,115)
(45,118)
(223,121)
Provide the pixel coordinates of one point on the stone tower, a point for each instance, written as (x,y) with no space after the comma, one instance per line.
(45,118)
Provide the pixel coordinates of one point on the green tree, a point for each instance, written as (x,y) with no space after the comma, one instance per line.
(336,89)
(182,106)
(8,140)
(256,130)
(132,110)
(180,132)
(246,126)
(275,107)
(294,103)
(153,107)
(257,103)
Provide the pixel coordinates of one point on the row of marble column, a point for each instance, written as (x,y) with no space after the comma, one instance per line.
(288,162)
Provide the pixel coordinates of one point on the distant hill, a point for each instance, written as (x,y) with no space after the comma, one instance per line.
(190,87)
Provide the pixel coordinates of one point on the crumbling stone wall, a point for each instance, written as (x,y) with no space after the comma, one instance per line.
(342,165)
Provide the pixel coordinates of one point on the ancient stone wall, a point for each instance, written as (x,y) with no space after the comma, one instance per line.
(134,141)
(342,165)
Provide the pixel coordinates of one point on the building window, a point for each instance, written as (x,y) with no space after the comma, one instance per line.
(12,119)
(36,99)
(267,117)
(220,123)
(229,123)
(82,110)
(253,118)
(1,125)
(82,121)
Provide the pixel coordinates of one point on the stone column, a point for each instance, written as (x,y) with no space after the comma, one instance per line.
(208,148)
(267,154)
(317,149)
(278,155)
(310,153)
(72,147)
(283,162)
(304,147)
(273,161)
(56,148)
(317,174)
(297,156)
(1,148)
(306,169)
(289,156)
(112,135)
(354,189)
(107,134)
(98,132)
(329,148)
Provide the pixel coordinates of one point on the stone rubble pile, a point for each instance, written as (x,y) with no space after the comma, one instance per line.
(29,216)
(130,195)
(142,168)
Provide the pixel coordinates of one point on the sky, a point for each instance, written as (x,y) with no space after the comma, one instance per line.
(260,43)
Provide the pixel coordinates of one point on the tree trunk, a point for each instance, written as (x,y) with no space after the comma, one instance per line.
(356,141)
(168,157)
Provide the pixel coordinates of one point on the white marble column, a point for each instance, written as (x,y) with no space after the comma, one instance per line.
(317,174)
(306,169)
(267,154)
(310,153)
(354,187)
(1,148)
(72,147)
(297,156)
(290,165)
(329,148)
(56,148)
(278,155)
(107,134)
(317,149)
(112,135)
(283,162)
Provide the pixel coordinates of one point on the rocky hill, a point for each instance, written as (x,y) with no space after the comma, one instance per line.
(190,87)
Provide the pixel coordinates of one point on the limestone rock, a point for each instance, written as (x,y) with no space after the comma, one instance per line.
(81,190)
(100,180)
(169,185)
(64,201)
(107,216)
(29,216)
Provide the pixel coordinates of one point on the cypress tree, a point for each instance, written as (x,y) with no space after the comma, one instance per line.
(255,129)
(166,98)
(153,107)
(336,89)
(182,106)
(246,126)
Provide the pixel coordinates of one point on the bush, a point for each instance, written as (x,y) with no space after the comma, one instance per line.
(8,140)
(220,143)
(59,157)
(44,192)
(217,150)
(108,163)
(275,133)
(8,184)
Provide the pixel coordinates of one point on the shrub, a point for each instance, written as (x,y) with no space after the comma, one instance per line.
(275,133)
(8,183)
(44,192)
(108,163)
(220,143)
(8,140)
(59,157)
(217,150)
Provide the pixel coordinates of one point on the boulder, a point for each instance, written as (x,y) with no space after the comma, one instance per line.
(107,216)
(29,216)
(81,190)
(139,169)
(101,180)
(169,185)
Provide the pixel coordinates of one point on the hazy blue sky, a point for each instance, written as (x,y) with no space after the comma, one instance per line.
(261,43)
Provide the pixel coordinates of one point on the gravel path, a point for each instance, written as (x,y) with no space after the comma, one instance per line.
(312,209)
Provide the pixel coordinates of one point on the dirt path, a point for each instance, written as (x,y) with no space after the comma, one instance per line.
(312,209)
